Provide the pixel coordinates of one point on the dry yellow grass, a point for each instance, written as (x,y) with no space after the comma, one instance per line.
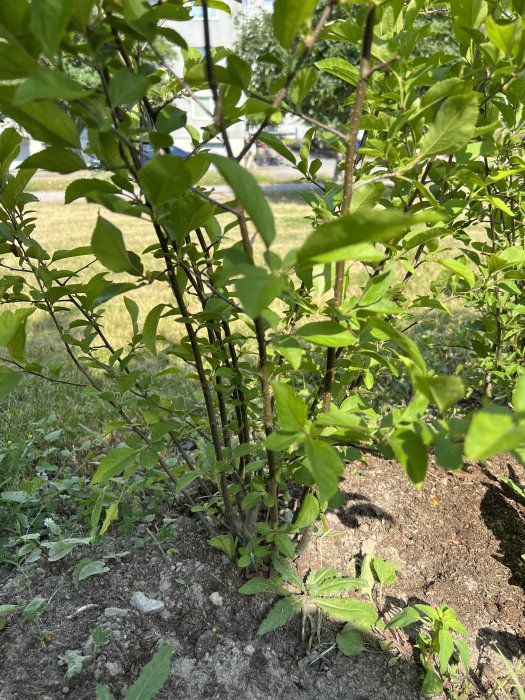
(71,226)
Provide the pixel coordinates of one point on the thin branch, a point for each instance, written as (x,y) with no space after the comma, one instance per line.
(218,117)
(41,376)
(278,99)
(348,185)
(301,115)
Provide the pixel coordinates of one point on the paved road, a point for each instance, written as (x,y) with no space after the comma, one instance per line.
(58,195)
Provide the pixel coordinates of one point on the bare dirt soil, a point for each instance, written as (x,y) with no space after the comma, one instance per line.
(459,540)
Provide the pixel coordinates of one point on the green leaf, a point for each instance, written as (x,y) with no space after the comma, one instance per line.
(289,348)
(127,87)
(302,84)
(493,430)
(225,543)
(262,585)
(277,145)
(87,186)
(114,463)
(360,615)
(134,10)
(101,636)
(411,452)
(49,19)
(10,141)
(14,496)
(15,62)
(287,571)
(350,641)
(340,68)
(185,480)
(460,269)
(277,441)
(453,127)
(16,187)
(249,195)
(432,683)
(289,16)
(149,332)
(407,616)
(464,655)
(443,390)
(284,544)
(108,246)
(505,36)
(308,513)
(56,160)
(47,84)
(401,340)
(111,515)
(449,454)
(328,334)
(86,568)
(8,609)
(337,585)
(164,178)
(469,13)
(341,239)
(376,288)
(13,331)
(367,196)
(518,395)
(33,608)
(257,290)
(326,466)
(316,577)
(44,120)
(282,611)
(446,649)
(153,676)
(291,408)
(385,570)
(170,119)
(250,500)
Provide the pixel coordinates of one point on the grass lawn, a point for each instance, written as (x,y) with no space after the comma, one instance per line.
(70,226)
(45,181)
(59,227)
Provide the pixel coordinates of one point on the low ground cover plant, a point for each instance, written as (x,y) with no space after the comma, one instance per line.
(288,353)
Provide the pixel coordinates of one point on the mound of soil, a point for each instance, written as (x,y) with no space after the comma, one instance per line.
(459,539)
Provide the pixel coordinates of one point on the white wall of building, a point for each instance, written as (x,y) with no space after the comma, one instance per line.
(223,27)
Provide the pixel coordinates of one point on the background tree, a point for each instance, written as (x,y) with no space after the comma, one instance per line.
(258,45)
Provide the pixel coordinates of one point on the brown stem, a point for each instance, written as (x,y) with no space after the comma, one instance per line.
(212,81)
(348,185)
(265,389)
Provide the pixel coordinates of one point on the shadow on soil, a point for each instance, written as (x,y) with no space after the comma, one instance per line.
(358,505)
(504,514)
(510,645)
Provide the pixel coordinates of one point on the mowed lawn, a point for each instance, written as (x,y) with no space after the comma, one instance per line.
(60,227)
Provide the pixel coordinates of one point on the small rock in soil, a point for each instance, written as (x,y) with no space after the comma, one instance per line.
(116,612)
(249,650)
(113,668)
(216,599)
(145,605)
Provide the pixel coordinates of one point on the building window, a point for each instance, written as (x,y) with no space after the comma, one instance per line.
(202,107)
(198,12)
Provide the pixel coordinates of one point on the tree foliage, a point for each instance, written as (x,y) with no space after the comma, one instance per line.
(287,349)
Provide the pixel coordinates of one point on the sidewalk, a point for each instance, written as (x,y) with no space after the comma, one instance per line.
(58,195)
